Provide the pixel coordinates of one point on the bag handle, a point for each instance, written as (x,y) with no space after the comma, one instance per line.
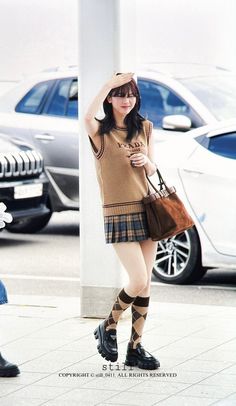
(161,182)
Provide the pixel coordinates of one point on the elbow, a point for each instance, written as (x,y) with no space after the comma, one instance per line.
(150,173)
(87,118)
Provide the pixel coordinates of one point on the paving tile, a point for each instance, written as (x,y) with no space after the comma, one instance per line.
(15,401)
(115,404)
(161,388)
(184,353)
(230,370)
(177,328)
(52,362)
(220,332)
(229,346)
(114,383)
(229,401)
(88,344)
(208,391)
(186,401)
(216,354)
(39,343)
(25,378)
(221,380)
(87,397)
(190,346)
(198,342)
(138,399)
(70,330)
(40,392)
(59,402)
(24,355)
(48,314)
(22,323)
(205,366)
(7,388)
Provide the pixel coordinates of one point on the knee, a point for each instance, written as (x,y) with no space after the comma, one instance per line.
(140,284)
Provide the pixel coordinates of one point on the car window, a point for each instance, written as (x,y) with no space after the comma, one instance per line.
(224,144)
(58,102)
(158,101)
(64,100)
(72,106)
(217,93)
(34,99)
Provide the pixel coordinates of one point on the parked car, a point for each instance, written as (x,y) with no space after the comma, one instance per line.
(201,164)
(43,110)
(179,97)
(23,186)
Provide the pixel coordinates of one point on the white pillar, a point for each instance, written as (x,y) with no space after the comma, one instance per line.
(106,45)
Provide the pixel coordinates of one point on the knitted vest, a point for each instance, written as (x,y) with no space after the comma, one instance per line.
(122,186)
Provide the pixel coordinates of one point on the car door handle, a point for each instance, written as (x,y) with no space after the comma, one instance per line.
(193,172)
(44,137)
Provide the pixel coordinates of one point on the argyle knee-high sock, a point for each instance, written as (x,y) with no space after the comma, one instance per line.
(139,314)
(123,301)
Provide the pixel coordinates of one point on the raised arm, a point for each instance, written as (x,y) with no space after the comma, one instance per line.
(91,124)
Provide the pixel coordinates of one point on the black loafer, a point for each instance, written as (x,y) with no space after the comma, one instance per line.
(107,343)
(7,369)
(141,358)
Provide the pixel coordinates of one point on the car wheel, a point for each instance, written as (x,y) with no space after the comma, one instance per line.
(178,259)
(29,226)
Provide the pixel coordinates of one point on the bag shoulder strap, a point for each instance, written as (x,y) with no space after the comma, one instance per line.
(161,183)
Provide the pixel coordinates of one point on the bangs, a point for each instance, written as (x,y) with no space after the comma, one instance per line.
(129,89)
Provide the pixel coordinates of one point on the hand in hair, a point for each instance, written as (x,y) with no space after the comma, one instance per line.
(91,124)
(118,80)
(115,81)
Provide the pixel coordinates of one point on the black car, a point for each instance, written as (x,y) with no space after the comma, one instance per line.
(23,186)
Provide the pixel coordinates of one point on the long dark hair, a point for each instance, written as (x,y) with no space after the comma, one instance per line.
(133,120)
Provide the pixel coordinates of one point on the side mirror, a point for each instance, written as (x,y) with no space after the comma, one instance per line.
(176,122)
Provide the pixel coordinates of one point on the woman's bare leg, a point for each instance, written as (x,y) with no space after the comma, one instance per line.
(149,249)
(132,258)
(141,303)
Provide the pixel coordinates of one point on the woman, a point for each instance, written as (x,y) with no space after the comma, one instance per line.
(123,147)
(7,369)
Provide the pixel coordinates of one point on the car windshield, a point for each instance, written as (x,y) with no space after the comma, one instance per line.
(217,93)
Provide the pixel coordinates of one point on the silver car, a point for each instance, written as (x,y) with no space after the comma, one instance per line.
(44,111)
(23,185)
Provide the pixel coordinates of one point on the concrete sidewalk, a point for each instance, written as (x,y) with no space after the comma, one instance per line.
(60,366)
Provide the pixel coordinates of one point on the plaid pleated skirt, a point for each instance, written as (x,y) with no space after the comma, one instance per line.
(126,227)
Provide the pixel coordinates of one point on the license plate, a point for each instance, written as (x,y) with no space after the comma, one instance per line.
(26,191)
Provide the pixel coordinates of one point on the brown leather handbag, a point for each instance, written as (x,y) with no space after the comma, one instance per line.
(166,214)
